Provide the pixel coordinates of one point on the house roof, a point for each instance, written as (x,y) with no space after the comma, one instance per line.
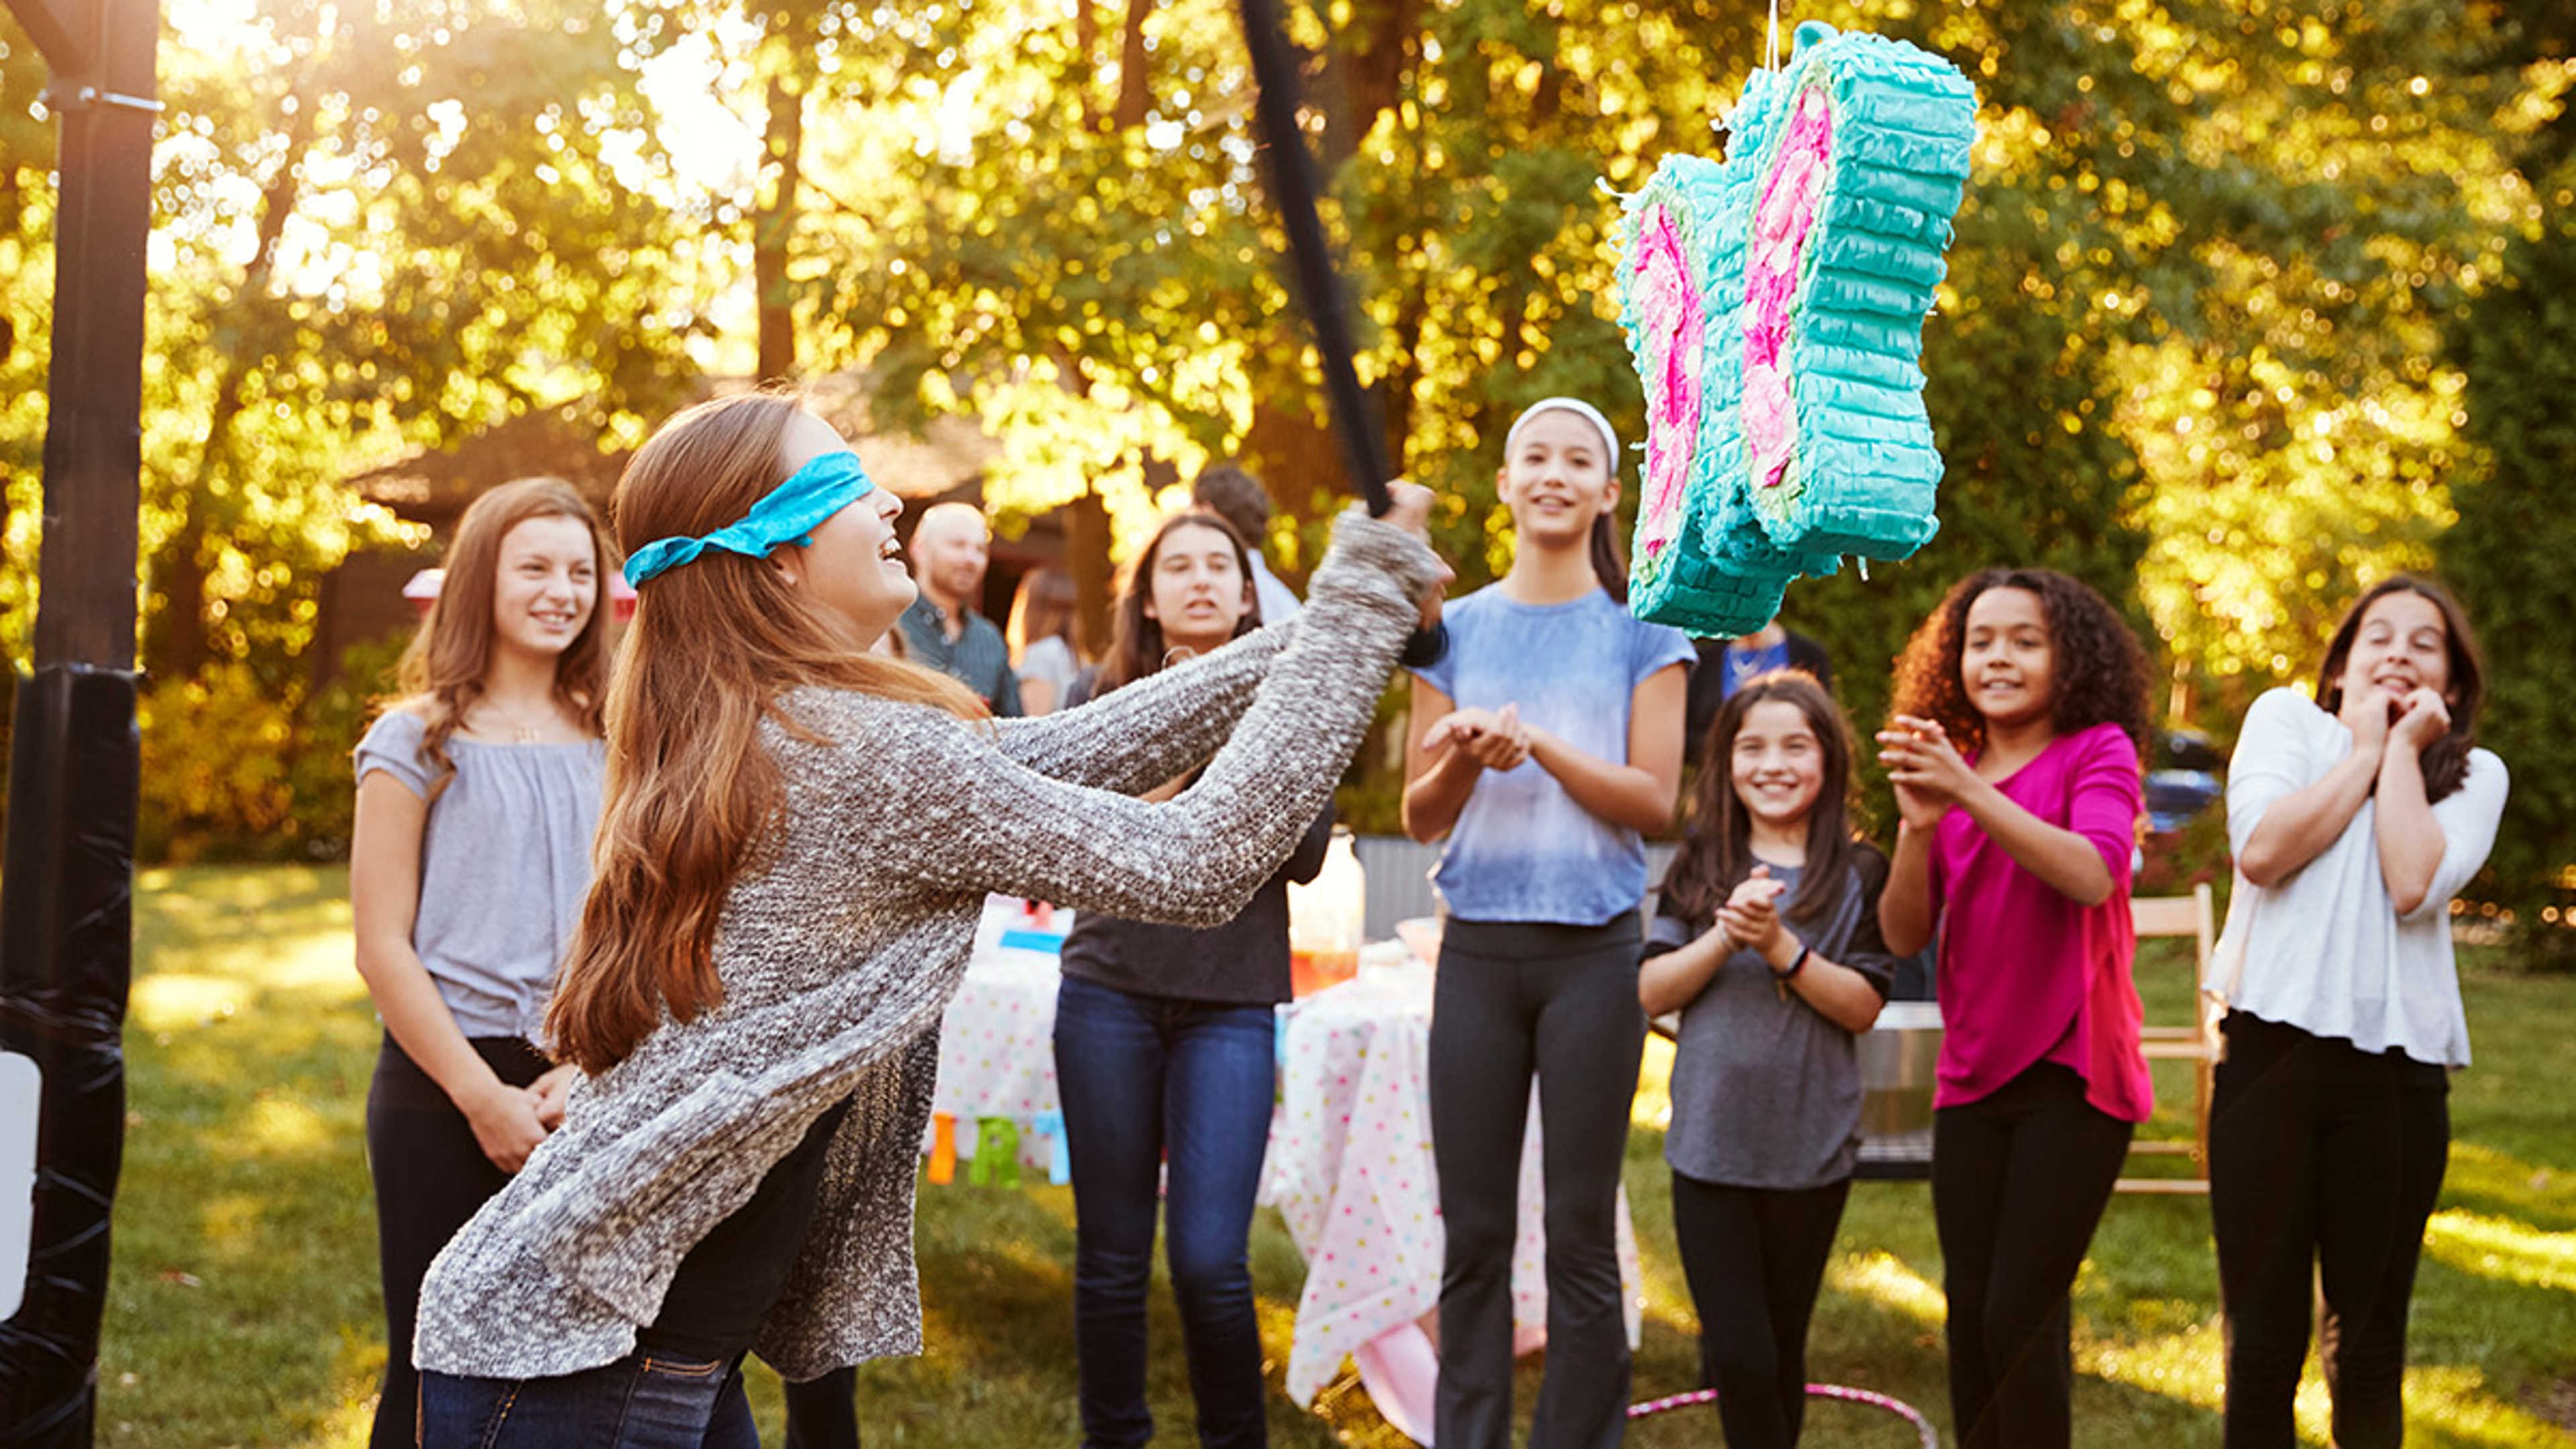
(433,486)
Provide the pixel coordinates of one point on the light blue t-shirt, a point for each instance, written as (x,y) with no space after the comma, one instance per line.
(1522,850)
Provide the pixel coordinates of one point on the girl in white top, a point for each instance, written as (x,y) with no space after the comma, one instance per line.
(2354,820)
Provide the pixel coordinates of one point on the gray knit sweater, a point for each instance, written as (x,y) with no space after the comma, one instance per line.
(839,949)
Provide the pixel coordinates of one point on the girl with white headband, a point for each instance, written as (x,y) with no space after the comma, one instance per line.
(795,842)
(1543,745)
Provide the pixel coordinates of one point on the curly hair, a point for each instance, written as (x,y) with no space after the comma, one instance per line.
(2100,669)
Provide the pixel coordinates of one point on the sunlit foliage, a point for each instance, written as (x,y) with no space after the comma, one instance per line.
(2201,343)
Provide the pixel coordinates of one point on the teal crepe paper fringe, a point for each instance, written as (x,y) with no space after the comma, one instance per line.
(1864,473)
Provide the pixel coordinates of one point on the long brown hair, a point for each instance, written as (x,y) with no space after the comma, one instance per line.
(2098,666)
(442,669)
(1719,851)
(1042,607)
(1136,646)
(691,796)
(2446,760)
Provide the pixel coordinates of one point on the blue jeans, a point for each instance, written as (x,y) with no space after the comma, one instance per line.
(1145,1079)
(638,1402)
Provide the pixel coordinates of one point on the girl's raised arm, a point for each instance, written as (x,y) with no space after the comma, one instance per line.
(2275,828)
(2075,862)
(1166,724)
(942,806)
(2086,860)
(2428,851)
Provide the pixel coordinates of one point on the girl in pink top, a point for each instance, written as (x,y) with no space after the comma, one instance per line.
(2021,704)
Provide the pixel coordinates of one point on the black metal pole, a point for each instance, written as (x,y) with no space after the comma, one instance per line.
(66,887)
(1319,285)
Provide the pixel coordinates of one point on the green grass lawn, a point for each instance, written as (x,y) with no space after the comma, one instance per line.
(244,1311)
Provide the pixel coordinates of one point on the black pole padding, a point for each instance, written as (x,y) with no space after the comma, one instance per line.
(66,961)
(1319,284)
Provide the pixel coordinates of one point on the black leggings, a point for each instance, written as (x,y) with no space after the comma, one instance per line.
(2019,1179)
(821,1414)
(1514,1000)
(1755,1258)
(430,1176)
(2324,1163)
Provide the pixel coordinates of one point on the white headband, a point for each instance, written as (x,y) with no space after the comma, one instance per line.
(1575,405)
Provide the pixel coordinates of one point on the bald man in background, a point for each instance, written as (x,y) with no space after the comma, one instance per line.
(950,549)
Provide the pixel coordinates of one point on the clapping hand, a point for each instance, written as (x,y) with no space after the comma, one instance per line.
(1927,770)
(1494,739)
(1751,916)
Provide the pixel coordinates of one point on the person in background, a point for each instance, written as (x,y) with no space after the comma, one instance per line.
(2355,818)
(1725,664)
(1543,745)
(952,547)
(1233,494)
(1766,940)
(1166,1054)
(478,794)
(1040,634)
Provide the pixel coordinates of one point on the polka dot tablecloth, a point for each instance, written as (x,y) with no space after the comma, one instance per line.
(1349,1165)
(1350,1171)
(997,1046)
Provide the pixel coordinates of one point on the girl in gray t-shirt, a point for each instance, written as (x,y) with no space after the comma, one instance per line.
(1766,940)
(477,797)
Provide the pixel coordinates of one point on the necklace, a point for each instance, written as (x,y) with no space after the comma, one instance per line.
(521,732)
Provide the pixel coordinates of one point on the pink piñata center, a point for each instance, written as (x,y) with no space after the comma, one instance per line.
(1669,302)
(1781,225)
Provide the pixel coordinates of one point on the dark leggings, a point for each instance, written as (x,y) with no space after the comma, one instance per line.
(1513,1000)
(430,1176)
(2324,1163)
(822,1414)
(1755,1258)
(2019,1179)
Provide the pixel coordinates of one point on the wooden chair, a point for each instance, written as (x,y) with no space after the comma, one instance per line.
(2195,916)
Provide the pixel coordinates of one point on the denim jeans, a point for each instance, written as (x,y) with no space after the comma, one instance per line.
(1145,1080)
(638,1402)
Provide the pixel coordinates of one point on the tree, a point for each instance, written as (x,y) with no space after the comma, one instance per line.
(2516,346)
(451,218)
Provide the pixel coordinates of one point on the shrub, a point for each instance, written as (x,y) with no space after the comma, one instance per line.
(235,771)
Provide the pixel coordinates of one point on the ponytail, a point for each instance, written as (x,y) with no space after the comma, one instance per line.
(1607,565)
